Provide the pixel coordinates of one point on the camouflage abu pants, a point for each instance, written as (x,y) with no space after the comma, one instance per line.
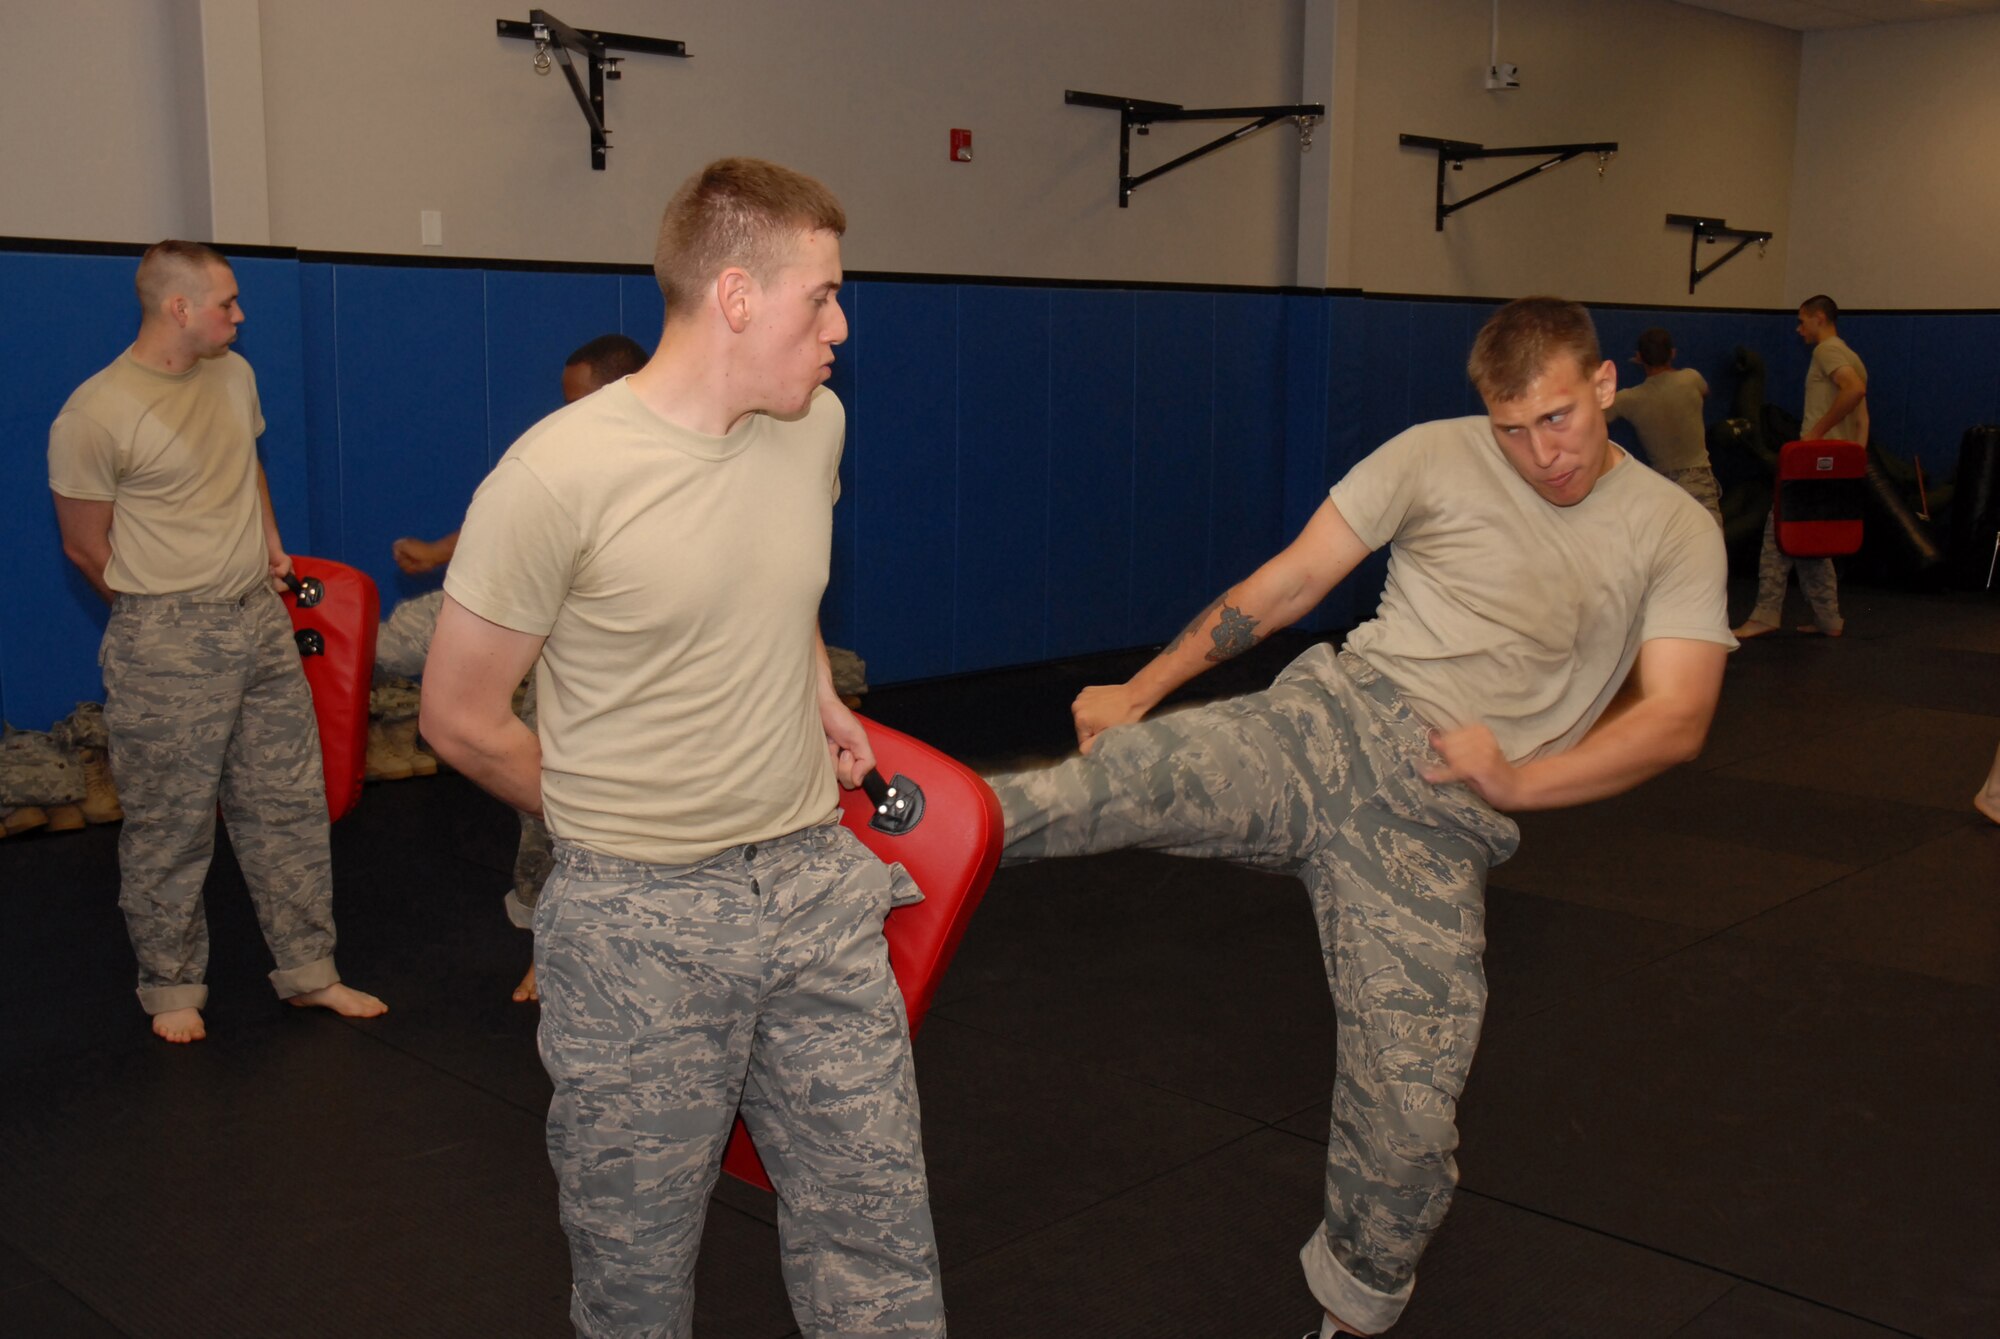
(401,644)
(1699,482)
(1318,775)
(1816,579)
(205,703)
(672,995)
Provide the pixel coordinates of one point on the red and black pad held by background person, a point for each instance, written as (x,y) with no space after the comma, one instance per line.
(940,821)
(335,616)
(1821,495)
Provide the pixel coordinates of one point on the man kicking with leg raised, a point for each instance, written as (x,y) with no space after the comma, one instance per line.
(1553,631)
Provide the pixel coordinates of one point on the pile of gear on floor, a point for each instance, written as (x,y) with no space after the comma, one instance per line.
(57,781)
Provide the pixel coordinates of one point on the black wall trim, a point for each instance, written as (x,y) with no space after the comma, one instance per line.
(68,247)
(65,246)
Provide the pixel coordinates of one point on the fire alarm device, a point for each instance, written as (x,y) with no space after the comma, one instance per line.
(961,146)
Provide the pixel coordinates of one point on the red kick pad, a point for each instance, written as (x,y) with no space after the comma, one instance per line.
(1822,488)
(334,619)
(951,852)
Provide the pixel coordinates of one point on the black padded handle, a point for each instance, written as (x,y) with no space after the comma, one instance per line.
(899,803)
(308,591)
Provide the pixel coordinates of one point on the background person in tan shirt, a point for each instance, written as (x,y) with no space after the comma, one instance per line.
(1665,409)
(1836,408)
(163,506)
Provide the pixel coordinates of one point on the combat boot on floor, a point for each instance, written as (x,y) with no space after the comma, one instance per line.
(25,818)
(65,818)
(405,732)
(100,794)
(388,754)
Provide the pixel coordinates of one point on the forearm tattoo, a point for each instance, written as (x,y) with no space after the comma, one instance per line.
(1234,634)
(1195,626)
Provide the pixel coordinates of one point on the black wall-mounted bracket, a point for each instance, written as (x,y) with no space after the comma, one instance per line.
(1456,151)
(548,32)
(1139,114)
(1709,230)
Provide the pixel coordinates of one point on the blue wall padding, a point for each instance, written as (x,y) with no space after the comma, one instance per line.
(413,422)
(1172,463)
(321,395)
(1004,476)
(533,323)
(836,616)
(902,432)
(1092,414)
(642,311)
(1030,473)
(50,618)
(1246,501)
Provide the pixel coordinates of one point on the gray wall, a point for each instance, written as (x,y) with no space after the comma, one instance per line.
(323,126)
(1898,168)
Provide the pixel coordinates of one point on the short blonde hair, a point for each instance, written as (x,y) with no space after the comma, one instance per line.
(1519,341)
(736,211)
(172,268)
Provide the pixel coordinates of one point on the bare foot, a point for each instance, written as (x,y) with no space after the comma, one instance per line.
(1988,805)
(343,1000)
(1815,630)
(179,1025)
(528,990)
(1752,628)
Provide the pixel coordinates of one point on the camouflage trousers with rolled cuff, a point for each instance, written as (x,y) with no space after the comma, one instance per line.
(1816,579)
(1699,482)
(401,644)
(1319,776)
(206,705)
(756,980)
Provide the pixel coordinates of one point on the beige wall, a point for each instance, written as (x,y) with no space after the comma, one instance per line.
(1701,105)
(91,128)
(1898,167)
(134,119)
(365,130)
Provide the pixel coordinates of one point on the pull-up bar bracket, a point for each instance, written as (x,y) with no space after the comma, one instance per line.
(1139,114)
(547,31)
(1457,151)
(1708,230)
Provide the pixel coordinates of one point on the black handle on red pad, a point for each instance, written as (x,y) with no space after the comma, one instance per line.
(899,803)
(308,591)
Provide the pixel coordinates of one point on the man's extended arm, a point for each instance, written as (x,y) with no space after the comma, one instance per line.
(468,705)
(1276,595)
(846,740)
(86,537)
(1850,390)
(1660,719)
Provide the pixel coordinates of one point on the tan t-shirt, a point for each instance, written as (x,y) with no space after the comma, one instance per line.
(1666,409)
(1503,608)
(677,578)
(175,454)
(1829,356)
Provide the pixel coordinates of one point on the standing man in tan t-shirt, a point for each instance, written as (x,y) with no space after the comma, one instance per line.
(711,937)
(1553,631)
(1836,408)
(1665,408)
(163,506)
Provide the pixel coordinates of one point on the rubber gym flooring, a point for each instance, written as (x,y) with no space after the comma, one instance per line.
(1738,1079)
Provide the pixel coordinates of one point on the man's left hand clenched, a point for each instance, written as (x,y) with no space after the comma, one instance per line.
(1472,755)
